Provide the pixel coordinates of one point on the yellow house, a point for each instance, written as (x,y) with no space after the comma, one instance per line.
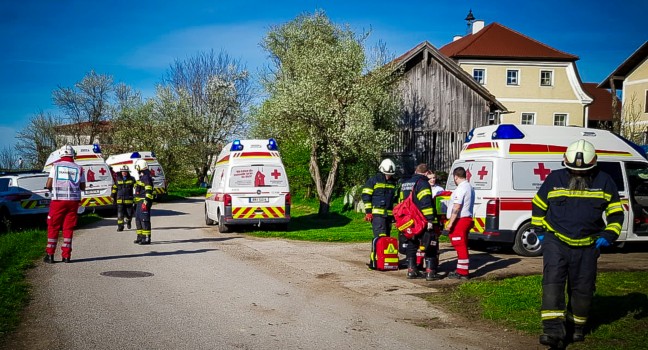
(537,83)
(632,78)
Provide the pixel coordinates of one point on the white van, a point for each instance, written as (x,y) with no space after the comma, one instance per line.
(506,164)
(99,180)
(249,186)
(160,183)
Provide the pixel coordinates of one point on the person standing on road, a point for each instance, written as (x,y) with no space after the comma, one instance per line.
(460,221)
(66,181)
(379,195)
(122,194)
(567,216)
(422,198)
(143,202)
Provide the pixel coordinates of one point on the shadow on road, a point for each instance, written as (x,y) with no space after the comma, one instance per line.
(165,212)
(314,221)
(196,240)
(480,264)
(153,253)
(180,227)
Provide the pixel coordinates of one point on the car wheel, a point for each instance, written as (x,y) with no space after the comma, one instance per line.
(526,242)
(208,221)
(222,228)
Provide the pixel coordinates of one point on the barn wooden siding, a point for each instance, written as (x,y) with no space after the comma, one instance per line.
(438,110)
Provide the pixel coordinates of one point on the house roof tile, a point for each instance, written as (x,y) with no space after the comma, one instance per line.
(601,107)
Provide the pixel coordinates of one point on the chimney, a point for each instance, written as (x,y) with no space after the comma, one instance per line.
(456,37)
(477,26)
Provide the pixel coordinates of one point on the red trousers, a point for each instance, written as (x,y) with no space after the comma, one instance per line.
(62,216)
(459,239)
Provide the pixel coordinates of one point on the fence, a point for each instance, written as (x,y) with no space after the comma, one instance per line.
(436,148)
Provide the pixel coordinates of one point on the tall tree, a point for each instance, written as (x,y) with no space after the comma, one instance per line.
(38,139)
(217,90)
(8,158)
(322,85)
(86,106)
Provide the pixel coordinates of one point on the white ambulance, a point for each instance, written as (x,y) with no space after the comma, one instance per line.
(99,180)
(249,186)
(160,183)
(506,164)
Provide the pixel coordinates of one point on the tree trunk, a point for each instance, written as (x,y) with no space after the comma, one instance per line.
(323,192)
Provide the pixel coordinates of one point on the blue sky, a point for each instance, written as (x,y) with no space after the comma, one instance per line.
(45,44)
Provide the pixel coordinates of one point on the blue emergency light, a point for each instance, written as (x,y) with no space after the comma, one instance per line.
(507,132)
(135,155)
(272,145)
(96,148)
(470,135)
(236,146)
(152,154)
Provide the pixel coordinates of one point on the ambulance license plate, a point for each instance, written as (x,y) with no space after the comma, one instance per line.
(43,201)
(92,192)
(259,200)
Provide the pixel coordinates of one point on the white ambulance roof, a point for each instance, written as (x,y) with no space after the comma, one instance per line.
(242,151)
(128,158)
(84,154)
(507,140)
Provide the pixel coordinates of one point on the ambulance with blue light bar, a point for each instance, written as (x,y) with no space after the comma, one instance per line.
(99,180)
(160,182)
(249,186)
(506,164)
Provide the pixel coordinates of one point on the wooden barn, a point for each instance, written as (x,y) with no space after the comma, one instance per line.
(441,104)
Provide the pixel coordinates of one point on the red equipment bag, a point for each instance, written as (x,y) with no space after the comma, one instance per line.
(384,253)
(409,219)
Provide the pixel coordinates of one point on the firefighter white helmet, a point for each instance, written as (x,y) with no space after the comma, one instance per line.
(141,164)
(124,168)
(66,151)
(387,167)
(580,155)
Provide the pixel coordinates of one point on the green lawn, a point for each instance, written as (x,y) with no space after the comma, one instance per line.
(618,317)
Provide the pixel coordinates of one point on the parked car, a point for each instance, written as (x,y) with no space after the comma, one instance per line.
(23,194)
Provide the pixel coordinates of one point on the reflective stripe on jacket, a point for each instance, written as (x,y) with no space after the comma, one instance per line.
(422,195)
(379,195)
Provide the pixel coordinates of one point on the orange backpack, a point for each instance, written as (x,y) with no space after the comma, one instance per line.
(409,219)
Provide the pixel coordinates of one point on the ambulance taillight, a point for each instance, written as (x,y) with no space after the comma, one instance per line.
(492,207)
(288,198)
(227,200)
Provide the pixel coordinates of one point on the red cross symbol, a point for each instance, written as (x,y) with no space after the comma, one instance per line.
(102,171)
(275,174)
(468,175)
(541,171)
(482,172)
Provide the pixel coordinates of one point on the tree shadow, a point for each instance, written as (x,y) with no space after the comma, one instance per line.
(608,309)
(195,240)
(177,199)
(152,253)
(314,221)
(480,264)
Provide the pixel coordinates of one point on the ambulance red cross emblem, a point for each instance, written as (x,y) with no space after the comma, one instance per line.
(541,171)
(483,172)
(275,174)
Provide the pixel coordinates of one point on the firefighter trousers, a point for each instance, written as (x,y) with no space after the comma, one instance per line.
(62,217)
(459,239)
(142,219)
(381,225)
(424,247)
(124,211)
(575,266)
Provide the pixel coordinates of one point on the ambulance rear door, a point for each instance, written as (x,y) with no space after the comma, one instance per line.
(99,183)
(260,192)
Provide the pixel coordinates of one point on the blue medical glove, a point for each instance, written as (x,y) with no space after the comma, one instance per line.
(540,237)
(602,242)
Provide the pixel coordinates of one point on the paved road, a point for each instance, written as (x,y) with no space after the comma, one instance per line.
(206,290)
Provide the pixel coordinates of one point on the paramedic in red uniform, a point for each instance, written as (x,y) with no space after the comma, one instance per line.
(460,222)
(423,200)
(66,181)
(143,202)
(567,216)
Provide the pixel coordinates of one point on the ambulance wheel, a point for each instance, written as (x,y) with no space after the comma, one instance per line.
(222,228)
(208,221)
(526,242)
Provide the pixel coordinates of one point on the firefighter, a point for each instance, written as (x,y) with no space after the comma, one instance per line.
(66,181)
(379,195)
(460,221)
(122,194)
(143,202)
(567,216)
(424,243)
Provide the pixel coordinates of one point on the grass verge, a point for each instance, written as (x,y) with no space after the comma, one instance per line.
(18,252)
(618,318)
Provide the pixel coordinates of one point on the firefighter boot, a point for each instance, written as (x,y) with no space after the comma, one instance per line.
(120,228)
(146,239)
(128,225)
(577,331)
(552,341)
(412,270)
(138,240)
(430,271)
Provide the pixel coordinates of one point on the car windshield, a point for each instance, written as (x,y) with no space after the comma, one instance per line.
(4,185)
(32,183)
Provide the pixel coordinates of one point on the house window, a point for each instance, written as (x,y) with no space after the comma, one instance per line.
(512,77)
(479,75)
(528,118)
(560,119)
(546,78)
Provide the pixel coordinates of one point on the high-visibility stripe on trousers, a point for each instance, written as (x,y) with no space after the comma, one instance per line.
(142,220)
(459,239)
(62,217)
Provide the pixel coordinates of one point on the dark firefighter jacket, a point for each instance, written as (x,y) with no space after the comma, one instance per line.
(122,190)
(379,195)
(576,217)
(422,195)
(144,188)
